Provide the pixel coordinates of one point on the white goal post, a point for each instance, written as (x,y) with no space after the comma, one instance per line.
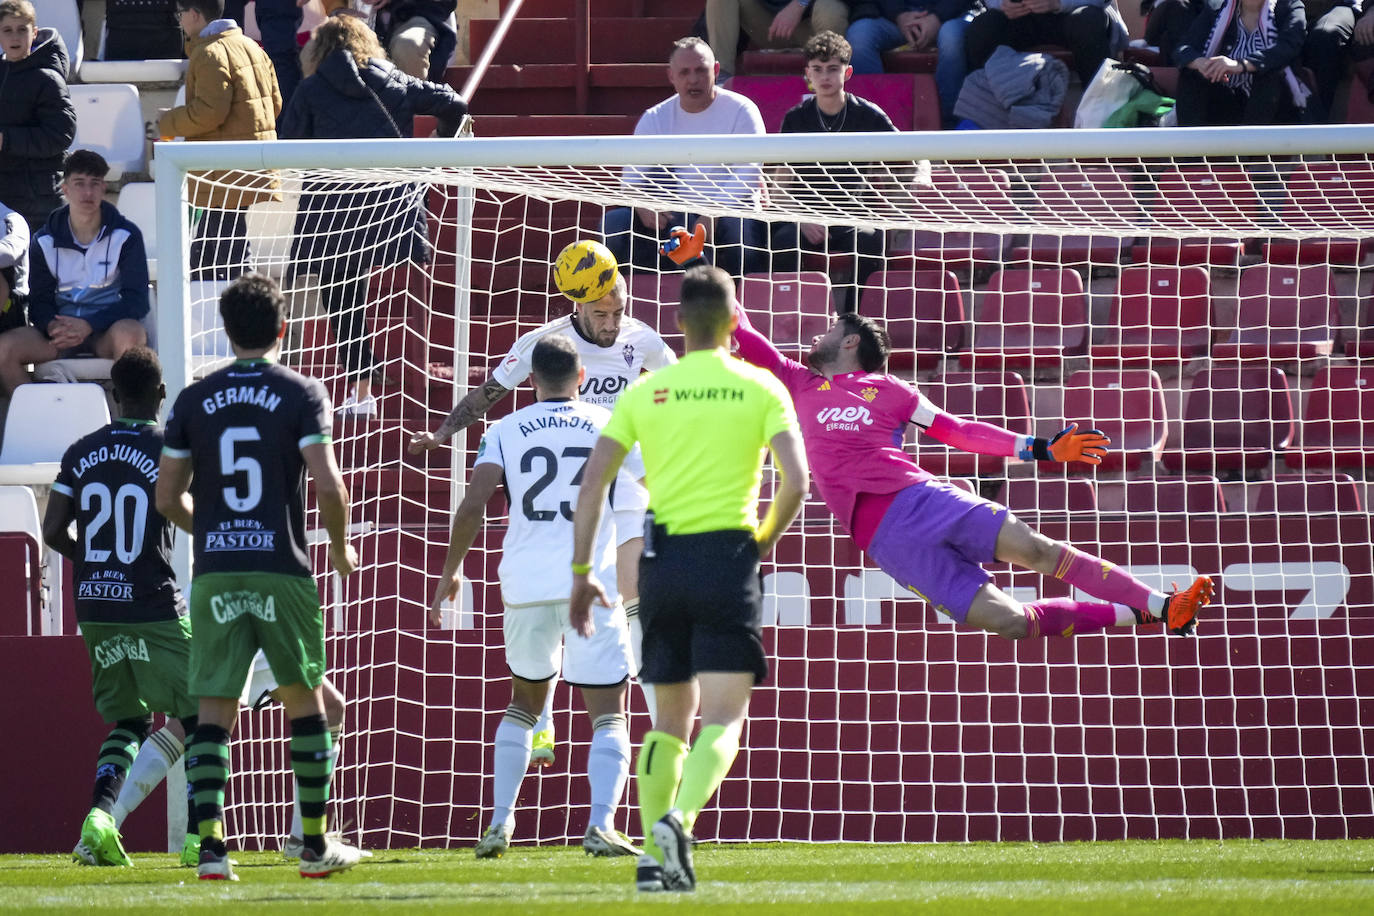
(882,721)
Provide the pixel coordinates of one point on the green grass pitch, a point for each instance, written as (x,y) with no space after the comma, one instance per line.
(1166,878)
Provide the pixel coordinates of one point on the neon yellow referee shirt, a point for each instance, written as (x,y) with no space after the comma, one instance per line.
(703,425)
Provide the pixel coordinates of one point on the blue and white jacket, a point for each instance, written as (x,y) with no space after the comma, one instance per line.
(100,283)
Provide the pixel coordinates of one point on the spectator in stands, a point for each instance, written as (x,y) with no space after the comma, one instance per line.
(352,90)
(699,107)
(141,30)
(1235,64)
(769,24)
(231,94)
(830,110)
(14,268)
(1362,44)
(1167,22)
(1091,29)
(1330,27)
(89,284)
(37,120)
(876,26)
(278,22)
(420,35)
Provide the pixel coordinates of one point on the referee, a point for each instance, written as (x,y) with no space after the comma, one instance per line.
(702,426)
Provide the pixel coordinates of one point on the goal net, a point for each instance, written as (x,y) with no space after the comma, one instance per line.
(1197,295)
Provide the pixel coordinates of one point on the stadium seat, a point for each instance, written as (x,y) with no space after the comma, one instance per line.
(1286,313)
(1127,406)
(1192,495)
(1336,429)
(137,201)
(43,421)
(271,227)
(993,397)
(1029,319)
(1031,495)
(65,17)
(923,312)
(1195,198)
(1321,195)
(21,563)
(1314,493)
(1235,418)
(790,309)
(967,194)
(110,121)
(1160,312)
(133,71)
(1077,196)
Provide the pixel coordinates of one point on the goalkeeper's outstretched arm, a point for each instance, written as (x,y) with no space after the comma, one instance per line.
(468,411)
(989,439)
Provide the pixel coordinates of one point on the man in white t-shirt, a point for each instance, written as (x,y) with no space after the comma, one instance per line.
(538,453)
(614,349)
(699,107)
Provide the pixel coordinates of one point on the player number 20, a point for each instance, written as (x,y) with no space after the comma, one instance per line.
(549,475)
(230,464)
(128,525)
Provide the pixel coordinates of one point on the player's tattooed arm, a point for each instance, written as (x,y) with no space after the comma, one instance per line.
(468,411)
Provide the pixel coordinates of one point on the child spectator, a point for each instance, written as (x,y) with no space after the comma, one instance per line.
(830,110)
(37,120)
(231,94)
(89,284)
(352,90)
(876,26)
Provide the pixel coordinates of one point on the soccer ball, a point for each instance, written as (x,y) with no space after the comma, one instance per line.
(585,271)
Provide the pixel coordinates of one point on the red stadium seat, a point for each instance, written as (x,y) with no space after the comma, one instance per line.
(1337,428)
(1322,195)
(1315,493)
(1160,313)
(1234,419)
(1077,196)
(790,309)
(963,195)
(1200,198)
(1030,495)
(1285,313)
(994,397)
(923,312)
(1127,406)
(776,94)
(1029,319)
(1193,495)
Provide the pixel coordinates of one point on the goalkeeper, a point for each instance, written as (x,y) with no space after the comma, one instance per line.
(929,536)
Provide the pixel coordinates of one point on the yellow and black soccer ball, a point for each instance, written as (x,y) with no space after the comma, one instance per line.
(585,271)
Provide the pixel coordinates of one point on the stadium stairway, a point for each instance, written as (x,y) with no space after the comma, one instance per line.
(532,85)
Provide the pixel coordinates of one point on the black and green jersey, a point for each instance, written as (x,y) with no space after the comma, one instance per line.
(123,571)
(243,428)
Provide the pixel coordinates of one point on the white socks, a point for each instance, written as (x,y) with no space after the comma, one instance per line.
(509,762)
(160,750)
(608,768)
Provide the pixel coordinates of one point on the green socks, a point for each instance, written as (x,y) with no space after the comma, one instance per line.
(207,770)
(657,772)
(712,754)
(312,761)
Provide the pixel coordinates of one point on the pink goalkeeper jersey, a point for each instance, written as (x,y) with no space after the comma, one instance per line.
(853,426)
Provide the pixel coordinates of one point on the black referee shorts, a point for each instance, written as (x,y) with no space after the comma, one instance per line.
(701,606)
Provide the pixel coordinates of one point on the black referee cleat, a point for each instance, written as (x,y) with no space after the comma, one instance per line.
(676,843)
(649,875)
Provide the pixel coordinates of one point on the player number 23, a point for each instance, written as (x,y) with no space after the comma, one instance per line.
(549,475)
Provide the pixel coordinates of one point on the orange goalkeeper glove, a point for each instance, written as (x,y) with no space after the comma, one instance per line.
(1069,445)
(684,248)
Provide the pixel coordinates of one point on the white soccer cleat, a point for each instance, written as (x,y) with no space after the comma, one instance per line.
(214,867)
(607,843)
(294,845)
(82,853)
(337,856)
(494,842)
(353,407)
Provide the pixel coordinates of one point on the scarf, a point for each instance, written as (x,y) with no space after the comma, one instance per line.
(1269,33)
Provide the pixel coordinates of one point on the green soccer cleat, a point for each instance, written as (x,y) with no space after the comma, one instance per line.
(98,834)
(541,748)
(190,851)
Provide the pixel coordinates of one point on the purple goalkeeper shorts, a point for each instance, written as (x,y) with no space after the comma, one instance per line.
(934,539)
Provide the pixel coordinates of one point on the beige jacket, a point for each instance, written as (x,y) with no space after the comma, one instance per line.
(231,94)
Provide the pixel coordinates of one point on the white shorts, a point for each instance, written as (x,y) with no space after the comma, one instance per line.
(536,635)
(629,524)
(260,682)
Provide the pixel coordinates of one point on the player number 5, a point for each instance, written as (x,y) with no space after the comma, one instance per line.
(230,465)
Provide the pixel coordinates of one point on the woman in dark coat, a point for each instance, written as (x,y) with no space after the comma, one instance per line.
(1235,64)
(37,120)
(341,234)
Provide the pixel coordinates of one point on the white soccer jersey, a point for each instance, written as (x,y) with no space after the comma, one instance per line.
(542,449)
(610,370)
